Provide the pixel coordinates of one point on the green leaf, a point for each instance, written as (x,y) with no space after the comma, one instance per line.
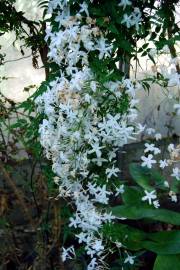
(152,59)
(21,123)
(132,196)
(145,46)
(158,29)
(166,242)
(100,21)
(130,237)
(161,243)
(113,28)
(153,35)
(158,179)
(124,44)
(134,212)
(146,178)
(167,262)
(175,186)
(141,176)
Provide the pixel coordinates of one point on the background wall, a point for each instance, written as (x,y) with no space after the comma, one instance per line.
(21,73)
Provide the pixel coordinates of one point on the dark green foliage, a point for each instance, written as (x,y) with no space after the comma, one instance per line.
(148,179)
(143,212)
(167,262)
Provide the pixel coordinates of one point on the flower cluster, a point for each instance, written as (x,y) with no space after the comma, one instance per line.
(172,163)
(165,65)
(85,125)
(76,133)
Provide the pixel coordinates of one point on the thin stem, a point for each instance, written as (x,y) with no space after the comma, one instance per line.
(18,59)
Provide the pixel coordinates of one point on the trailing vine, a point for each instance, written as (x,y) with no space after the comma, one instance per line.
(90,110)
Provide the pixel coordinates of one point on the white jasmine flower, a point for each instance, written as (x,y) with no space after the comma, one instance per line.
(149,196)
(56,180)
(156,204)
(97,245)
(127,20)
(119,190)
(125,3)
(91,252)
(171,147)
(68,253)
(129,259)
(74,221)
(133,19)
(148,161)
(93,264)
(111,155)
(176,173)
(82,237)
(173,196)
(141,128)
(163,163)
(136,17)
(158,136)
(93,86)
(112,172)
(156,151)
(166,184)
(100,193)
(151,148)
(63,192)
(96,149)
(177,108)
(84,8)
(103,48)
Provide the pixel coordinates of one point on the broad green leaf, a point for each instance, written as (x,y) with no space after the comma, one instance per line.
(167,262)
(141,176)
(132,196)
(146,178)
(166,242)
(162,243)
(137,212)
(158,179)
(125,45)
(175,186)
(130,237)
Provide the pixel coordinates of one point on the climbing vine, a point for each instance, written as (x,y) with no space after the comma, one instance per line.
(90,110)
(86,110)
